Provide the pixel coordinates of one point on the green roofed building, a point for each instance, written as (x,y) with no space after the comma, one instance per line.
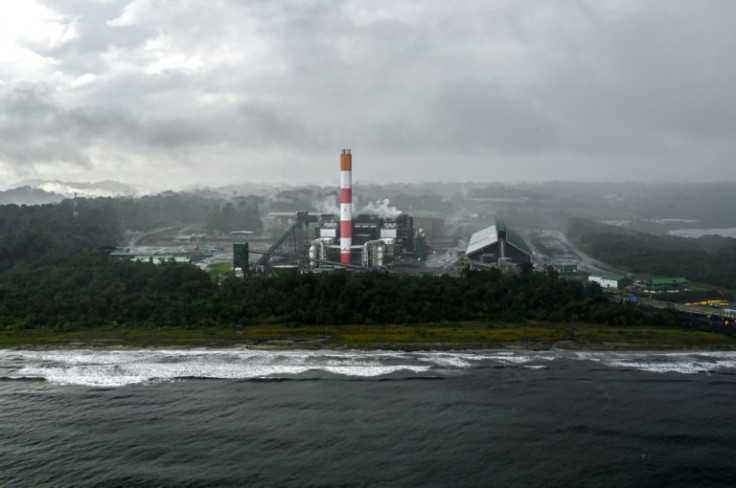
(665,284)
(498,243)
(565,268)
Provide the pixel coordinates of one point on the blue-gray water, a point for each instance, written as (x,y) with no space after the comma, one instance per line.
(254,418)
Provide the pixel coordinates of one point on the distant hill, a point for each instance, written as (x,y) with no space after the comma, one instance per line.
(38,192)
(26,195)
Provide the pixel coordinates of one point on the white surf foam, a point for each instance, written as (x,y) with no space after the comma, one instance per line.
(119,368)
(666,362)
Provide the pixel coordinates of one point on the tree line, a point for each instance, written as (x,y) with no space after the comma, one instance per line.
(55,272)
(86,290)
(707,259)
(84,222)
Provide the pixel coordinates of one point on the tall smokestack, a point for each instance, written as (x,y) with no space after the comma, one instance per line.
(346,205)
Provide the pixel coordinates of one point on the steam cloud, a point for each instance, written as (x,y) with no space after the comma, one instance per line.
(381,209)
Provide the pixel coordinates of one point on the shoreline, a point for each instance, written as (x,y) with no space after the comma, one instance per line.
(431,337)
(623,348)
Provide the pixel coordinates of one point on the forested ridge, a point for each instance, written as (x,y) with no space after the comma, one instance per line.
(55,272)
(84,290)
(707,259)
(102,220)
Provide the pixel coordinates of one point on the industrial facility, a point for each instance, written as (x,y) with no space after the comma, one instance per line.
(320,243)
(610,281)
(498,245)
(375,242)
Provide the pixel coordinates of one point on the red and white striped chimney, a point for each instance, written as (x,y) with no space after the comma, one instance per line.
(346,205)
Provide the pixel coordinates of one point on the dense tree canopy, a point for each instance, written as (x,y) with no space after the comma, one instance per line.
(84,291)
(54,272)
(708,259)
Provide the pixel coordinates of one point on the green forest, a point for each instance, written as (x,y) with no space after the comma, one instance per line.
(708,259)
(55,273)
(85,290)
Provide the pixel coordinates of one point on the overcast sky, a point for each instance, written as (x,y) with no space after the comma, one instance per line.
(172,93)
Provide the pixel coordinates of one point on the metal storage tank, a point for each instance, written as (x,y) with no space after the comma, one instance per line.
(285,270)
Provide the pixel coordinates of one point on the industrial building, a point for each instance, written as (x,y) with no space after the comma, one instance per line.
(498,245)
(367,240)
(431,223)
(565,268)
(124,255)
(375,242)
(319,243)
(610,281)
(665,285)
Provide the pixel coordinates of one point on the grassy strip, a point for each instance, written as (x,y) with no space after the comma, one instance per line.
(219,270)
(440,336)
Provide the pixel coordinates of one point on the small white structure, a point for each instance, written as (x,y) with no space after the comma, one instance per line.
(607,281)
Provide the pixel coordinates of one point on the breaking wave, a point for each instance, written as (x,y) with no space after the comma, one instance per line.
(114,368)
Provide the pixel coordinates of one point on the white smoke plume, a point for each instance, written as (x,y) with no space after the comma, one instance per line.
(327,206)
(380,208)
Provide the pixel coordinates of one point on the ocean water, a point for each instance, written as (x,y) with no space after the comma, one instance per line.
(237,417)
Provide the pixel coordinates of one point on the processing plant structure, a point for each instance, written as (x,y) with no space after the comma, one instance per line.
(322,243)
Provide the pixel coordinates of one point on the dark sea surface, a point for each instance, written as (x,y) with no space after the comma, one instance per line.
(261,418)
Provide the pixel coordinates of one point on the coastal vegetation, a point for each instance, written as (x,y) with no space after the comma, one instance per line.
(86,290)
(58,283)
(101,221)
(450,335)
(708,259)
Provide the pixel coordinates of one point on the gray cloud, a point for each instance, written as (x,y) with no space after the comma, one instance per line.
(192,92)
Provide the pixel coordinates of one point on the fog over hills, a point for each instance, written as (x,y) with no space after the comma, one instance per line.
(465,207)
(37,191)
(81,188)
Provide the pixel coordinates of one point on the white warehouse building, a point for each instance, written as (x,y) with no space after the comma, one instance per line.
(609,281)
